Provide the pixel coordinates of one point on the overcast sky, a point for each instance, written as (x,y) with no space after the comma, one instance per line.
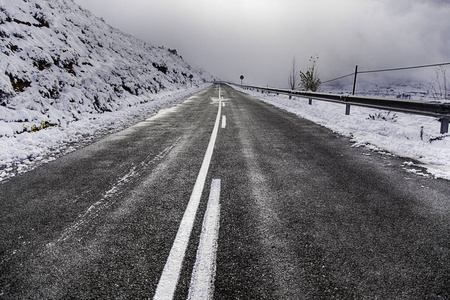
(259,38)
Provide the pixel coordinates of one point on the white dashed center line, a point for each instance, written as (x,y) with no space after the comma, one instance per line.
(224,121)
(203,275)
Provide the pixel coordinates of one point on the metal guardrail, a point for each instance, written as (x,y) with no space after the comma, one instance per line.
(425,108)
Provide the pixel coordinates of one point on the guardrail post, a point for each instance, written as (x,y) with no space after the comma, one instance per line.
(444,125)
(347,109)
(310,101)
(428,109)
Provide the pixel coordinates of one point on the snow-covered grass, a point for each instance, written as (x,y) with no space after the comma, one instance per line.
(400,134)
(25,151)
(67,77)
(403,90)
(59,62)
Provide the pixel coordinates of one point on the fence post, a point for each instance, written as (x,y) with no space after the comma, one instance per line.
(347,106)
(444,124)
(354,81)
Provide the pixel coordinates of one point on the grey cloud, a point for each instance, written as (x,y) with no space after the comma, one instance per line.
(259,38)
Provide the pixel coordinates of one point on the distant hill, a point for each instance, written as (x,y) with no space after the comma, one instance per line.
(60,62)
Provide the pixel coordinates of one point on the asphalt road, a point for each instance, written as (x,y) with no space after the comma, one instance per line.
(302,215)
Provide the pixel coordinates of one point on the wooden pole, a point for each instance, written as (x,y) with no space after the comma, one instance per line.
(347,106)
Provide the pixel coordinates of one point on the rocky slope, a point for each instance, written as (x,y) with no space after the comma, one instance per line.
(59,63)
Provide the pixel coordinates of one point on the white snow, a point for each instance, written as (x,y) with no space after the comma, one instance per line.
(65,70)
(22,152)
(62,66)
(404,135)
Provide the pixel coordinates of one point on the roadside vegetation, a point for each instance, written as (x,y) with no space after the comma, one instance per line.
(309,80)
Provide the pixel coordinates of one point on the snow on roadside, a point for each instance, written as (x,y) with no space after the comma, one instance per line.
(409,136)
(67,78)
(25,151)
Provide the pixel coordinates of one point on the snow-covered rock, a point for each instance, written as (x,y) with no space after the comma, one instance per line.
(67,77)
(60,63)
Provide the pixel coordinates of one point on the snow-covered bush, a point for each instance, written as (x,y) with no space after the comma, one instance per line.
(383,116)
(440,85)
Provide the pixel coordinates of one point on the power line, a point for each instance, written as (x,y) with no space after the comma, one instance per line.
(387,70)
(339,78)
(404,68)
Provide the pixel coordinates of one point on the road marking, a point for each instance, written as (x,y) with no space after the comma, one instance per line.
(224,121)
(171,272)
(223,104)
(204,272)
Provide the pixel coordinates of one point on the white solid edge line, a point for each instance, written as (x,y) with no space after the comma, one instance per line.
(204,272)
(224,121)
(169,278)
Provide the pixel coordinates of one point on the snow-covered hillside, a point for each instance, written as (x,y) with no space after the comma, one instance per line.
(59,63)
(67,78)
